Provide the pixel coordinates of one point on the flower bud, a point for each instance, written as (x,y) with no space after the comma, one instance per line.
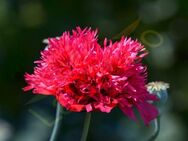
(160,89)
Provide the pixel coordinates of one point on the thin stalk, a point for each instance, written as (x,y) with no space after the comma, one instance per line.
(156,129)
(57,124)
(86,126)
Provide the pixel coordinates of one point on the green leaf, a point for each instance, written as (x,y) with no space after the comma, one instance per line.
(35,98)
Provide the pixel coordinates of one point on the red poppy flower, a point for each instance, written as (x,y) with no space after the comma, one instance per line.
(83,75)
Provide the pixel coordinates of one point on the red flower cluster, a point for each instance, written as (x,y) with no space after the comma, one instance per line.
(83,75)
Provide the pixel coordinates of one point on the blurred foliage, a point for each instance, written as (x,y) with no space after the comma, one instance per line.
(25,23)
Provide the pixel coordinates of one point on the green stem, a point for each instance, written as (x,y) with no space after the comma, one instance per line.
(86,127)
(156,129)
(57,123)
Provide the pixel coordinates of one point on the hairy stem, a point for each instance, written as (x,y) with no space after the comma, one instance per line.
(86,127)
(57,124)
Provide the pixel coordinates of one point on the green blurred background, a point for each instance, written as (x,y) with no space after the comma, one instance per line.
(163,29)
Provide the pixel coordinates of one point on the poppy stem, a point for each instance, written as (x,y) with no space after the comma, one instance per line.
(156,129)
(86,126)
(57,124)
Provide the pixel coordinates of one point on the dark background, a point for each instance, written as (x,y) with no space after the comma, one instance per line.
(163,29)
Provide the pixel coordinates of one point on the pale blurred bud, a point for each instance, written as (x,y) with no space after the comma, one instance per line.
(160,89)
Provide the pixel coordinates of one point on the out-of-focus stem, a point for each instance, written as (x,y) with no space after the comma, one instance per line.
(156,129)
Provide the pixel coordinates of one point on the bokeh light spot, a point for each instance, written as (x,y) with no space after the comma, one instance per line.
(32,14)
(152,38)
